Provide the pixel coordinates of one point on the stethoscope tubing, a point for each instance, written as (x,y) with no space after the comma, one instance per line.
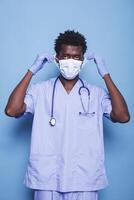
(52,104)
(53,93)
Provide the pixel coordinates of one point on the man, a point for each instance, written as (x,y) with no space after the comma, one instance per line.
(67,151)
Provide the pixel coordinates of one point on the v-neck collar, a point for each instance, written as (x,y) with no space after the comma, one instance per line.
(71,91)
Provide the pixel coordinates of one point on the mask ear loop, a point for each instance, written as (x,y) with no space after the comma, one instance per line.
(84,62)
(57,64)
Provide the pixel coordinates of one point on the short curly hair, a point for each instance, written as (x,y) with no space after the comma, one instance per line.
(70,37)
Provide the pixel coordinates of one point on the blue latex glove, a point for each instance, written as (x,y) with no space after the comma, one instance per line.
(100,63)
(40,60)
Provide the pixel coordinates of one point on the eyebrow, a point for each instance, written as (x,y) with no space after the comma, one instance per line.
(71,54)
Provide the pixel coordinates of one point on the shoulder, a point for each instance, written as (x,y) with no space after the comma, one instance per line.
(46,84)
(94,88)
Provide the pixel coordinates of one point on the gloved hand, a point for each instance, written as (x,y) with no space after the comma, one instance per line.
(100,63)
(40,60)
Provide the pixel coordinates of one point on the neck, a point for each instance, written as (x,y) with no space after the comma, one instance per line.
(68,84)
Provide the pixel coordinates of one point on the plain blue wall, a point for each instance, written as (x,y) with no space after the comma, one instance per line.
(30,27)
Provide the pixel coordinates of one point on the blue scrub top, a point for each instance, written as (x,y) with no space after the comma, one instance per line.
(70,155)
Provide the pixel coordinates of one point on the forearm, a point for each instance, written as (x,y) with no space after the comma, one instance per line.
(120,111)
(16,99)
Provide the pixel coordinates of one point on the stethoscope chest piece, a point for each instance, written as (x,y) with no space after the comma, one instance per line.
(52,121)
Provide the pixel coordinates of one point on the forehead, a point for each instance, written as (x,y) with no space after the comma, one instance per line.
(70,49)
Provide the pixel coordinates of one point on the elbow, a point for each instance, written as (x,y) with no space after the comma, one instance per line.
(9,112)
(125,119)
(121,117)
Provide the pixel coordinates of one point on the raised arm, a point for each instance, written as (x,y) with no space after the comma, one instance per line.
(15,105)
(119,107)
(119,111)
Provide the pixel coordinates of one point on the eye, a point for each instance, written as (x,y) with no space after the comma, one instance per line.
(65,57)
(76,57)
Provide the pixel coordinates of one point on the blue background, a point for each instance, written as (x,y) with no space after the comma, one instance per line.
(30,27)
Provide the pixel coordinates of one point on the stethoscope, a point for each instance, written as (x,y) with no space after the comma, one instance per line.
(52,121)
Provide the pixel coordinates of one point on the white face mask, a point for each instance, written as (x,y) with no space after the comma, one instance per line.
(70,68)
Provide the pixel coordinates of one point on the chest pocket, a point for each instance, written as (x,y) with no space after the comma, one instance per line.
(87,122)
